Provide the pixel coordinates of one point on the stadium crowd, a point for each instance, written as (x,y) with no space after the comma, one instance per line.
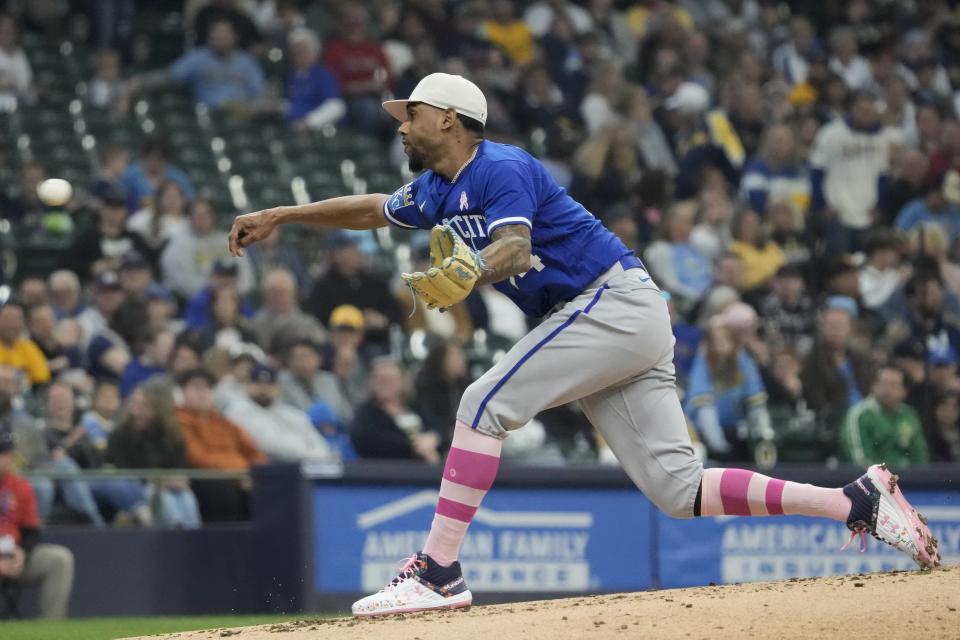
(788,171)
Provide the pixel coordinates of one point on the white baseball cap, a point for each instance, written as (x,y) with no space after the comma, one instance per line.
(689,98)
(444,91)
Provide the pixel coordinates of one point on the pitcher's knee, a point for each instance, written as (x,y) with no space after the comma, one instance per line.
(677,497)
(479,410)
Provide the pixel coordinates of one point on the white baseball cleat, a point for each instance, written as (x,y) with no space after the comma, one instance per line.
(879,508)
(423,585)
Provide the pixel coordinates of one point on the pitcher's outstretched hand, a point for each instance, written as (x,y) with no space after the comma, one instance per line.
(250,228)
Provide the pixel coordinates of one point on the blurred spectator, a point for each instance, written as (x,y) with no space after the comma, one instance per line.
(676,265)
(225,274)
(230,12)
(151,362)
(302,383)
(881,276)
(135,274)
(386,426)
(509,33)
(100,247)
(161,310)
(189,258)
(787,312)
(943,436)
(647,135)
(850,164)
(16,77)
(846,61)
(105,90)
(348,282)
(712,237)
(32,452)
(790,59)
(726,399)
(274,252)
(148,436)
(333,430)
(344,355)
(540,104)
(761,257)
(32,290)
(24,558)
(114,163)
(72,449)
(99,419)
(141,179)
(360,67)
(65,293)
(184,357)
(23,204)
(214,442)
(283,432)
(881,428)
(107,353)
(835,375)
(280,321)
(165,217)
(228,327)
(541,14)
(939,205)
(218,74)
(598,107)
(928,246)
(782,379)
(924,319)
(312,91)
(439,385)
(606,166)
(42,325)
(16,349)
(777,174)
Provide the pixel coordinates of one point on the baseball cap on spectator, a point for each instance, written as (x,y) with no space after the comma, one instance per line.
(802,94)
(226,267)
(263,374)
(108,281)
(246,351)
(943,357)
(156,291)
(844,303)
(443,91)
(738,316)
(347,316)
(114,196)
(689,98)
(133,260)
(190,375)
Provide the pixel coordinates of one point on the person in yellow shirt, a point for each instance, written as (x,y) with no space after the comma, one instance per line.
(509,33)
(18,351)
(761,256)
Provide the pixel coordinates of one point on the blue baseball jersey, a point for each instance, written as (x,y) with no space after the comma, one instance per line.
(505,185)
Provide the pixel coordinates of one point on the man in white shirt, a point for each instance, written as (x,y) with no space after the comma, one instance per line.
(850,165)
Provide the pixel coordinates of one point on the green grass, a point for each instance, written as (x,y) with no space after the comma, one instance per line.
(111,628)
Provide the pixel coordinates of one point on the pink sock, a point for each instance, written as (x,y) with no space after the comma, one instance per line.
(467,476)
(738,492)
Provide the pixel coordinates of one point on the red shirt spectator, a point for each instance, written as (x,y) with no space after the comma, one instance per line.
(18,507)
(358,62)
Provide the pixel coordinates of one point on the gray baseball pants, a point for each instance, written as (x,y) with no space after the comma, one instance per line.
(611,349)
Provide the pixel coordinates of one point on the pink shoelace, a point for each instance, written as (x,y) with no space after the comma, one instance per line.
(407,569)
(863,540)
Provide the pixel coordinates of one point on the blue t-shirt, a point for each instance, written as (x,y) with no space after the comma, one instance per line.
(504,185)
(916,212)
(308,90)
(139,190)
(731,402)
(215,80)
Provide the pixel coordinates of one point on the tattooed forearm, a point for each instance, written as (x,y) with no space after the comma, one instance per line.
(508,254)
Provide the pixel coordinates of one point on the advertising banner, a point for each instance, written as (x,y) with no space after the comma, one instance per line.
(521,540)
(738,549)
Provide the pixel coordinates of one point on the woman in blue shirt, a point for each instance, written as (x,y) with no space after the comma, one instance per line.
(725,394)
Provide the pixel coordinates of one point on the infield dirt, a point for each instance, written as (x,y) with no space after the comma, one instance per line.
(881,605)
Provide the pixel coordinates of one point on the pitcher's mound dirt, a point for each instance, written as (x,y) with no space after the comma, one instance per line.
(881,605)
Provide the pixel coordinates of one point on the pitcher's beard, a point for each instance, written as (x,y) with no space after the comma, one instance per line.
(415,161)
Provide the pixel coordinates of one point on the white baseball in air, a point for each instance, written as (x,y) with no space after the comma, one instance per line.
(54,192)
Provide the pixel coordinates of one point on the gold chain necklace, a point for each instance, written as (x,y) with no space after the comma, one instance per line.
(464,166)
